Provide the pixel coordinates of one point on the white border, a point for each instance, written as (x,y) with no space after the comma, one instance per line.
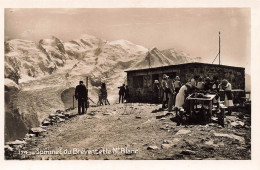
(253,164)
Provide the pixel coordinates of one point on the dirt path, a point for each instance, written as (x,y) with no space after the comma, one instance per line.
(135,133)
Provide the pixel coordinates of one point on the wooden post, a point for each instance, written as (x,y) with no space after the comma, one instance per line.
(86,106)
(219,48)
(87,82)
(210,110)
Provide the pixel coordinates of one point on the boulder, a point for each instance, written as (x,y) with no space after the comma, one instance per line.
(231,136)
(231,118)
(166,146)
(61,120)
(32,135)
(237,124)
(58,111)
(37,131)
(8,148)
(52,115)
(16,142)
(60,115)
(66,114)
(46,123)
(183,132)
(152,147)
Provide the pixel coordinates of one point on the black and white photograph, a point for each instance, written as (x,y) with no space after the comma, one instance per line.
(127,83)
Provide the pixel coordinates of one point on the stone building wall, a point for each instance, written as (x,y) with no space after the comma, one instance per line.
(140,82)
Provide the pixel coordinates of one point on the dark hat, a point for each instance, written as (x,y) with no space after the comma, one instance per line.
(224,82)
(165,76)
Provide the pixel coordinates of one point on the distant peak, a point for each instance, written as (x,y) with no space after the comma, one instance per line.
(20,40)
(153,48)
(121,42)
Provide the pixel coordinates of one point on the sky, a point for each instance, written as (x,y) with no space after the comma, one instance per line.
(192,30)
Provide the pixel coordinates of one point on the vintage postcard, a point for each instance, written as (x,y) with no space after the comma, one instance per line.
(130,82)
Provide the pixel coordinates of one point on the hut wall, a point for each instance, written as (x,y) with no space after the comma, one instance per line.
(140,82)
(236,76)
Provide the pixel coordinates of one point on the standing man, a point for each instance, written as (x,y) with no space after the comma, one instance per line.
(165,90)
(126,94)
(121,93)
(81,94)
(171,93)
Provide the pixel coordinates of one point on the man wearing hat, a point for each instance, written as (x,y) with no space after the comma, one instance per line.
(171,93)
(81,94)
(165,90)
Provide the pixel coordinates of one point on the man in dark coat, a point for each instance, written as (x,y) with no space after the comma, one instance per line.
(121,93)
(126,94)
(81,94)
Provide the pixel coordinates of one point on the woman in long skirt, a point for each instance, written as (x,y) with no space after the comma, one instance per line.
(228,102)
(184,91)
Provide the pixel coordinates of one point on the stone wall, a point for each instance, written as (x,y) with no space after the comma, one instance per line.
(235,75)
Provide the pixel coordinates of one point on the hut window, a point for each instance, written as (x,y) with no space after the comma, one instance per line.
(138,81)
(155,77)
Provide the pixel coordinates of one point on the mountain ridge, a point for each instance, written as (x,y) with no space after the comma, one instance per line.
(25,59)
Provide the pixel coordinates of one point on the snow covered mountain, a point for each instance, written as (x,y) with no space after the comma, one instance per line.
(178,57)
(45,74)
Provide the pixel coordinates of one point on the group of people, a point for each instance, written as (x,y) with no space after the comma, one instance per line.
(102,96)
(175,93)
(81,94)
(123,93)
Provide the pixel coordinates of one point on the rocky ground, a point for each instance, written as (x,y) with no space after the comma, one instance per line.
(132,132)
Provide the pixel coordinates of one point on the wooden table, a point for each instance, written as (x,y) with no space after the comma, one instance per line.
(205,101)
